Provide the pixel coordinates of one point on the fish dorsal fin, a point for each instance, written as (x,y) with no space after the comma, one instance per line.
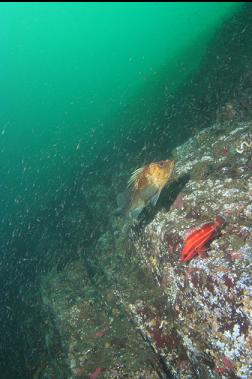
(135,175)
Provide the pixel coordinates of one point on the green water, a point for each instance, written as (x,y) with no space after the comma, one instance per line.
(67,69)
(82,87)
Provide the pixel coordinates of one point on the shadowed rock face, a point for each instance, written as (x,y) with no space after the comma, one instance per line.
(188,320)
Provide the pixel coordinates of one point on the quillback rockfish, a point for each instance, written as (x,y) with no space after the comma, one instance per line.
(144,187)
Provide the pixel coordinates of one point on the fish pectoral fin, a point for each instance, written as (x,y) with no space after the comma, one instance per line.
(202,251)
(155,198)
(150,194)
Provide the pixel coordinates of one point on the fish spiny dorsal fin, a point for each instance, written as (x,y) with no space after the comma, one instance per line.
(135,175)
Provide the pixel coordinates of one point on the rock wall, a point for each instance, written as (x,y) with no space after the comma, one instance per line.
(128,308)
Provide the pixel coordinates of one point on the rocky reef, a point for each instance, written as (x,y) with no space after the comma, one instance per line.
(86,294)
(128,308)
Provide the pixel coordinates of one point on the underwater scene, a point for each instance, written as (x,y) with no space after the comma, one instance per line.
(126,190)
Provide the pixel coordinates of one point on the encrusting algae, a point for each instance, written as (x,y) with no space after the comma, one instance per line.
(145,186)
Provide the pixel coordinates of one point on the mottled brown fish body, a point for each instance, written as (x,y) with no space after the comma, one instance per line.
(146,184)
(156,174)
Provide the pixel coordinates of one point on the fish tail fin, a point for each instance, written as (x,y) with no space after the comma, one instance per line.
(123,200)
(220,220)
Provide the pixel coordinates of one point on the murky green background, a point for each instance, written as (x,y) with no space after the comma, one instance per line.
(68,68)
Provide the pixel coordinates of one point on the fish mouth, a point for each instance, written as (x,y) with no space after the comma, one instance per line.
(168,162)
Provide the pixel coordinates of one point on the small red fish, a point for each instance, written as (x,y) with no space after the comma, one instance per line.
(228,363)
(100,333)
(196,242)
(98,371)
